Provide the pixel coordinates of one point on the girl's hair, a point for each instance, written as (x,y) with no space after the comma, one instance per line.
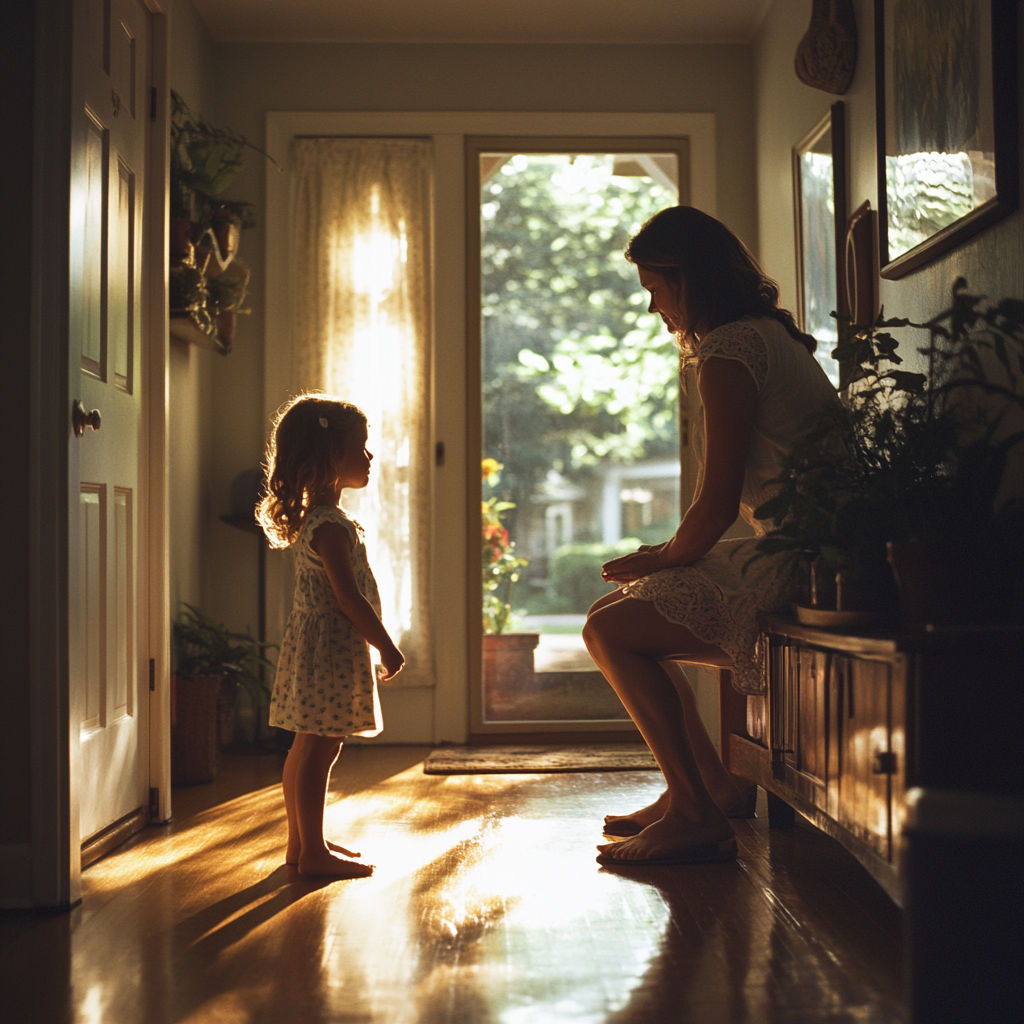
(308,436)
(722,280)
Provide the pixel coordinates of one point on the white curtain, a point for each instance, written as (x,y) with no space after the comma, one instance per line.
(360,300)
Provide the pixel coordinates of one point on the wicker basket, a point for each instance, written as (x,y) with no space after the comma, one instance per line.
(195,751)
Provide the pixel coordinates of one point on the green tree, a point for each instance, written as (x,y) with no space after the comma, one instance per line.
(574,369)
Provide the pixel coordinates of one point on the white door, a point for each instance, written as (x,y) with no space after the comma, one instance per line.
(109,680)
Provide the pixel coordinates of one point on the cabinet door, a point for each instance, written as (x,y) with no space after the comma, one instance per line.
(863,738)
(803,734)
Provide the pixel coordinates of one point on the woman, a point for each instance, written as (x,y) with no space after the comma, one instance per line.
(689,598)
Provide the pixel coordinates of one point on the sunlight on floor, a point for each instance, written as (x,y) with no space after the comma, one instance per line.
(486,908)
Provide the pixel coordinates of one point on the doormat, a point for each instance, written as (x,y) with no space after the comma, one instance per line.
(593,757)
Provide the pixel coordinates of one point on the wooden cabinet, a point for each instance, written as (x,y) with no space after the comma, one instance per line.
(855,720)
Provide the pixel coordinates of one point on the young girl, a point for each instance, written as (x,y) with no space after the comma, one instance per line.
(324,689)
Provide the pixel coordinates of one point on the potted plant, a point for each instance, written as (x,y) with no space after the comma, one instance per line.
(911,471)
(212,664)
(508,656)
(206,228)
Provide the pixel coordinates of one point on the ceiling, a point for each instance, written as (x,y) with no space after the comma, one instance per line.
(478,21)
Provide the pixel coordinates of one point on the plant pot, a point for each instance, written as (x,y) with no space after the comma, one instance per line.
(181,239)
(195,751)
(508,671)
(936,583)
(226,322)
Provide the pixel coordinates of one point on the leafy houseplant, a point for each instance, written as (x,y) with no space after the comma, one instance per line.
(206,228)
(916,464)
(212,664)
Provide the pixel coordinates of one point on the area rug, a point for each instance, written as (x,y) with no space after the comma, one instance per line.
(592,757)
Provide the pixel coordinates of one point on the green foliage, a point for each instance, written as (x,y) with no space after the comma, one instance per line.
(501,564)
(205,160)
(910,456)
(575,572)
(205,647)
(188,289)
(574,369)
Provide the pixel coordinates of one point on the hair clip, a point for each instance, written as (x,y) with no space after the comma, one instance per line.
(323,422)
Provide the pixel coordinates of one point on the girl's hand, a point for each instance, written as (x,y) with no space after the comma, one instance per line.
(392,660)
(627,568)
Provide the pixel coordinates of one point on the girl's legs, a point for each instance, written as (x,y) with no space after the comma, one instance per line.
(629,639)
(306,774)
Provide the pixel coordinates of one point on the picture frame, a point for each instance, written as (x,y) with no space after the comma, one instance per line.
(946,115)
(819,206)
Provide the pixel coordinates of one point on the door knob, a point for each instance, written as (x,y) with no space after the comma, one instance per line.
(80,419)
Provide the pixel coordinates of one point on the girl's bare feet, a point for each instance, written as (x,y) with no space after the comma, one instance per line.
(671,835)
(325,862)
(292,856)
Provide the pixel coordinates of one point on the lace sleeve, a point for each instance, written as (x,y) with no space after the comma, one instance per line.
(320,514)
(739,341)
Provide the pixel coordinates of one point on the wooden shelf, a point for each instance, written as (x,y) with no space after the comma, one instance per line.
(184,328)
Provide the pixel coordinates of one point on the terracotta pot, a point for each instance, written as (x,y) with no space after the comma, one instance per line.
(936,583)
(182,239)
(227,320)
(508,671)
(194,741)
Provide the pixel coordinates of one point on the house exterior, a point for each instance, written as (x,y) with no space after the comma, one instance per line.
(214,415)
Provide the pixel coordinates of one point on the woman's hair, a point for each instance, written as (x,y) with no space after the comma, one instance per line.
(308,436)
(722,280)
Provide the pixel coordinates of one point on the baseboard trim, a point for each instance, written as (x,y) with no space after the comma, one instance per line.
(114,835)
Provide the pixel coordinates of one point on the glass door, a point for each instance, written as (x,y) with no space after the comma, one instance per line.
(577,408)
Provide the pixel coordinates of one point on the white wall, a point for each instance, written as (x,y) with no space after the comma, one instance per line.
(190,437)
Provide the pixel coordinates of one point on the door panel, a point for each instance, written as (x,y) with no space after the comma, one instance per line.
(107,189)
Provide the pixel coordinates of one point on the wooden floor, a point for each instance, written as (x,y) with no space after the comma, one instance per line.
(486,906)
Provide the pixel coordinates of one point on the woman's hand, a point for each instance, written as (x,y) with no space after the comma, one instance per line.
(626,568)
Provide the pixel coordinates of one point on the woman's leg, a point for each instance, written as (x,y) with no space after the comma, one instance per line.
(719,782)
(628,639)
(314,756)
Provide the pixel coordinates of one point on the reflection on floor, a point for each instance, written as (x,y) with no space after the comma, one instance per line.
(486,906)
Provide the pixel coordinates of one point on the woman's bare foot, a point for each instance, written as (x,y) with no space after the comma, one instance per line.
(292,856)
(325,862)
(639,820)
(671,835)
(726,794)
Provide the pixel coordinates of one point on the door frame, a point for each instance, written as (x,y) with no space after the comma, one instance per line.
(480,730)
(53,875)
(440,713)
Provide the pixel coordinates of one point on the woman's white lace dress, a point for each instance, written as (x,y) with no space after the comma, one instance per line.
(713,597)
(325,682)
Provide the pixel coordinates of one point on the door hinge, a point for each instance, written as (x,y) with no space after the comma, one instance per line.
(152,103)
(439,453)
(152,675)
(884,763)
(154,805)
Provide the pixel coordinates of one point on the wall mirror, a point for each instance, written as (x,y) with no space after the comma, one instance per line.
(819,184)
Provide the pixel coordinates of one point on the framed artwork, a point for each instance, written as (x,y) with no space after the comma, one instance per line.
(819,203)
(946,110)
